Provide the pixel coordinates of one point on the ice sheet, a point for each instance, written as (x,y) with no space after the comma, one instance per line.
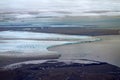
(21,44)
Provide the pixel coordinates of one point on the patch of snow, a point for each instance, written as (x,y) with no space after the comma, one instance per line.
(67,62)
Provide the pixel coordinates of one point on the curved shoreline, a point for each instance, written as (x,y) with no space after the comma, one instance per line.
(106,50)
(18,42)
(15,54)
(77,42)
(24,55)
(9,59)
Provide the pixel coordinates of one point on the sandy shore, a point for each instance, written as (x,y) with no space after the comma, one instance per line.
(106,50)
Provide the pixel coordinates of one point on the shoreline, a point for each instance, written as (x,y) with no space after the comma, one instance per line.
(111,33)
(13,54)
(106,50)
(108,69)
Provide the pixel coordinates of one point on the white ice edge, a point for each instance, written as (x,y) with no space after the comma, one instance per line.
(32,48)
(67,62)
(32,35)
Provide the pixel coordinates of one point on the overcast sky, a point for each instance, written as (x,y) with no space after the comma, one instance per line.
(60,4)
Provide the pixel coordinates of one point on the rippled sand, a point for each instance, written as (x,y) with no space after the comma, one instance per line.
(106,50)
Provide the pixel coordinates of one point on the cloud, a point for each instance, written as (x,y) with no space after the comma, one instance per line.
(60,4)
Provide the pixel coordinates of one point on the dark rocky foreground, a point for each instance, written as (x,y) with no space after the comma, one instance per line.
(62,70)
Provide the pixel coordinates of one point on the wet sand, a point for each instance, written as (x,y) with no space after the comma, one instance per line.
(106,50)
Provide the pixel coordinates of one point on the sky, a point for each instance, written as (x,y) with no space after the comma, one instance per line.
(56,8)
(61,4)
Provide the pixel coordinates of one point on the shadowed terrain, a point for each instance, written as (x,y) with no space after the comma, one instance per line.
(62,70)
(66,30)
